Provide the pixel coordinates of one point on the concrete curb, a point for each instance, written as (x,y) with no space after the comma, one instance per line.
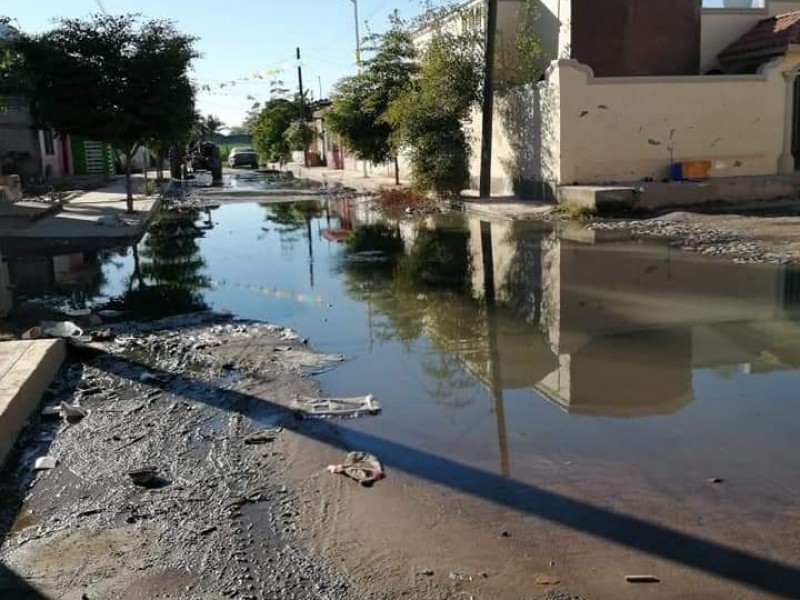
(27,368)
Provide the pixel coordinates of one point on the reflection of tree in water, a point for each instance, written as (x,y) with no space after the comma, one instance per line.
(291,218)
(451,382)
(522,289)
(421,292)
(167,277)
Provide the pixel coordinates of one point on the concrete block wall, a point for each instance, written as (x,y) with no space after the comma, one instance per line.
(27,369)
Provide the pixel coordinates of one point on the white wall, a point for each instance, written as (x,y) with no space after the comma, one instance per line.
(626,129)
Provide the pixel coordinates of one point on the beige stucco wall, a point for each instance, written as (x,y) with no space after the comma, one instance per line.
(721,27)
(627,129)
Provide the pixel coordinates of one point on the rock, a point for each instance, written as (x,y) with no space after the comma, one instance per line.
(547,580)
(642,579)
(426,572)
(45,463)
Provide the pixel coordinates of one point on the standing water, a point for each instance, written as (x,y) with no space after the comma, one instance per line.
(627,375)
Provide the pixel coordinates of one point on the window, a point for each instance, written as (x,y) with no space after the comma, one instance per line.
(49,146)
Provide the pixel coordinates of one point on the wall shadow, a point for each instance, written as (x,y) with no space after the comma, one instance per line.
(638,534)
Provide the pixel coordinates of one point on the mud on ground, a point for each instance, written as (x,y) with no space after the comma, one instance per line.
(181,396)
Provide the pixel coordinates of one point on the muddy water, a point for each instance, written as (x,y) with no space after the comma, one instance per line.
(650,383)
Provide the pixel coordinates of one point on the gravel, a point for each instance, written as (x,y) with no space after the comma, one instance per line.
(683,231)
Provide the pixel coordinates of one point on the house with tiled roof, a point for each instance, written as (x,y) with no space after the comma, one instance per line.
(641,91)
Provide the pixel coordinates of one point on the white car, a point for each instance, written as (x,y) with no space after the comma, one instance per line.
(243,157)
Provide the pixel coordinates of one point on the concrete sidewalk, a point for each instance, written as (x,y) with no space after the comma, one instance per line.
(96,214)
(347,178)
(27,368)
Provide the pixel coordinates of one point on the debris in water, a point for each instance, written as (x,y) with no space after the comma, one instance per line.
(148,378)
(45,463)
(642,579)
(148,477)
(34,333)
(363,467)
(343,408)
(73,413)
(61,329)
(264,436)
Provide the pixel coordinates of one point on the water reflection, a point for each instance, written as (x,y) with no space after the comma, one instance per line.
(604,329)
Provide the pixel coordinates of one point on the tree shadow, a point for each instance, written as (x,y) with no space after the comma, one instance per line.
(714,558)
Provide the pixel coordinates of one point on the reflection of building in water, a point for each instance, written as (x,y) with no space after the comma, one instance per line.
(624,326)
(36,274)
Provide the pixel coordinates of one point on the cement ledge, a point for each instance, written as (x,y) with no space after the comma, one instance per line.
(27,368)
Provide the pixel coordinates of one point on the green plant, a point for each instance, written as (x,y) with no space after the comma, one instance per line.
(150,187)
(299,135)
(361,102)
(429,119)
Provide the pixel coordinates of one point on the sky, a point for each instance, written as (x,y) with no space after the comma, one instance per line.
(238,38)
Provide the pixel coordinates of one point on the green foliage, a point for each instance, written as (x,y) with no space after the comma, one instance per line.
(150,187)
(429,118)
(269,131)
(299,135)
(378,237)
(205,126)
(111,78)
(360,103)
(523,59)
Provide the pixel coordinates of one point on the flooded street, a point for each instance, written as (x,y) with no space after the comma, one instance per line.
(583,407)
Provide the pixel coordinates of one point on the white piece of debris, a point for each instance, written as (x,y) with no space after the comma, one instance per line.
(61,329)
(336,408)
(45,463)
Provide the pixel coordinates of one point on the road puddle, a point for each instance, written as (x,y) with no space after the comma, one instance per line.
(638,378)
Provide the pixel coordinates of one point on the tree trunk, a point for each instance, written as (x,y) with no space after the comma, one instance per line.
(396,170)
(129,180)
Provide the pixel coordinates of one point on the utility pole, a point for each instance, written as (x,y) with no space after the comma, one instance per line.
(358,35)
(488,101)
(302,102)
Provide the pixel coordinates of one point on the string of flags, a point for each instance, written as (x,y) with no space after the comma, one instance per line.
(255,77)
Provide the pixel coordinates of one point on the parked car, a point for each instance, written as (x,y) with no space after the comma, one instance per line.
(243,157)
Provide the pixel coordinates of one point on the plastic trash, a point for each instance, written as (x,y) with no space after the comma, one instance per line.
(362,467)
(72,413)
(336,408)
(61,329)
(34,333)
(263,436)
(45,463)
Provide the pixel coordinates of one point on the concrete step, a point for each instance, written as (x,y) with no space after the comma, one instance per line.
(27,368)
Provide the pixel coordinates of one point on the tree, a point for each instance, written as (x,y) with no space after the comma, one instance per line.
(206,126)
(269,132)
(361,102)
(111,78)
(429,118)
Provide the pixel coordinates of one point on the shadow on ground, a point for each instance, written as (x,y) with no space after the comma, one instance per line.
(717,559)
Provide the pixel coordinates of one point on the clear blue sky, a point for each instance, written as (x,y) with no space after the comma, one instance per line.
(240,37)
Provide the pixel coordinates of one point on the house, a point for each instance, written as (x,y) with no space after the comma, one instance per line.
(635,88)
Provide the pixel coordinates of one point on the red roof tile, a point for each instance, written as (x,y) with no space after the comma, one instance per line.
(770,37)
